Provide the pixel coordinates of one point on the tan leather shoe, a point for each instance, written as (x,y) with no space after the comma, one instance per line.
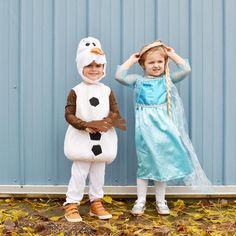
(99,211)
(72,212)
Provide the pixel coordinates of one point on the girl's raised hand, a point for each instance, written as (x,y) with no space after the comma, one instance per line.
(169,51)
(134,57)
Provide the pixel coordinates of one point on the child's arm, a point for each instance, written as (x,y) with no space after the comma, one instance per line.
(72,119)
(122,71)
(114,116)
(70,110)
(183,66)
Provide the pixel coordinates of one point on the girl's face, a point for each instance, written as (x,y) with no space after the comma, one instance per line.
(93,71)
(154,64)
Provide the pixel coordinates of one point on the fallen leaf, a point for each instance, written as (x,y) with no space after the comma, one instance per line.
(107,199)
(173,213)
(119,203)
(61,234)
(9,200)
(196,216)
(28,229)
(179,205)
(55,218)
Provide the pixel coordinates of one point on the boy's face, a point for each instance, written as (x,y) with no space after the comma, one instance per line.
(154,64)
(93,71)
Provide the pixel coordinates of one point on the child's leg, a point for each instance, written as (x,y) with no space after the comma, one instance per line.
(161,204)
(160,191)
(96,183)
(79,173)
(96,180)
(139,206)
(142,185)
(75,192)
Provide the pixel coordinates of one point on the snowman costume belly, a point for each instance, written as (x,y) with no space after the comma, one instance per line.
(92,104)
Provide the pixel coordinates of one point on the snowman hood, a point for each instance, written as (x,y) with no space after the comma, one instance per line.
(89,50)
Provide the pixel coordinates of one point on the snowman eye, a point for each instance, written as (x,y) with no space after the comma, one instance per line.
(87,44)
(94,44)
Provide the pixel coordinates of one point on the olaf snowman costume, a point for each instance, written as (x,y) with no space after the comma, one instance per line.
(90,140)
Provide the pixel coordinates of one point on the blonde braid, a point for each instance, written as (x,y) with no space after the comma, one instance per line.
(168,90)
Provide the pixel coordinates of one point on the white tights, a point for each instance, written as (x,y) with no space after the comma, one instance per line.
(160,190)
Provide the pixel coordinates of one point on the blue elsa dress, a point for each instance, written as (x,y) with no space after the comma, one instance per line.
(164,150)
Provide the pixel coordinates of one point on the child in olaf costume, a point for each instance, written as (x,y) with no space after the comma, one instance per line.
(90,140)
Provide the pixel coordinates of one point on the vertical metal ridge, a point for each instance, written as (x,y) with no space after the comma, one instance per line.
(20,109)
(190,76)
(224,92)
(87,18)
(54,128)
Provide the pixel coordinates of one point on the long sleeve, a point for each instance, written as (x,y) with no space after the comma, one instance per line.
(124,78)
(183,70)
(113,105)
(70,111)
(114,115)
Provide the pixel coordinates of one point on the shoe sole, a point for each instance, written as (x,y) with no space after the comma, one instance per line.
(137,214)
(164,214)
(105,217)
(74,220)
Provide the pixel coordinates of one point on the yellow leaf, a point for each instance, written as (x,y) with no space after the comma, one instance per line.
(216,233)
(61,234)
(28,229)
(114,229)
(196,216)
(9,200)
(173,213)
(116,214)
(55,218)
(138,231)
(19,213)
(179,205)
(107,199)
(147,234)
(193,229)
(216,221)
(120,203)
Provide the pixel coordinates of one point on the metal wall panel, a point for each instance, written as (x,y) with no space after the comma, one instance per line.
(9,93)
(37,67)
(229,101)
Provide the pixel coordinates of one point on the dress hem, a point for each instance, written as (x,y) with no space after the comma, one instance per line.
(164,180)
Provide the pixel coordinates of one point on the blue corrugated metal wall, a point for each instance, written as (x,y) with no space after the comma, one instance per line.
(37,69)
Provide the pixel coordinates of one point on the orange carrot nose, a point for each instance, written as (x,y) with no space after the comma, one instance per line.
(97,51)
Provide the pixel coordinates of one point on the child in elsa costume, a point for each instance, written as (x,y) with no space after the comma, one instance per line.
(164,150)
(90,140)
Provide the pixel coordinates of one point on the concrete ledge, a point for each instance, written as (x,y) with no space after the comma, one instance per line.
(120,191)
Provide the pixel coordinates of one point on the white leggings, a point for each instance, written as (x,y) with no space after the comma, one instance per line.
(160,190)
(79,172)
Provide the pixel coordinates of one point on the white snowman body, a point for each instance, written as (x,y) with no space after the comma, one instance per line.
(92,104)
